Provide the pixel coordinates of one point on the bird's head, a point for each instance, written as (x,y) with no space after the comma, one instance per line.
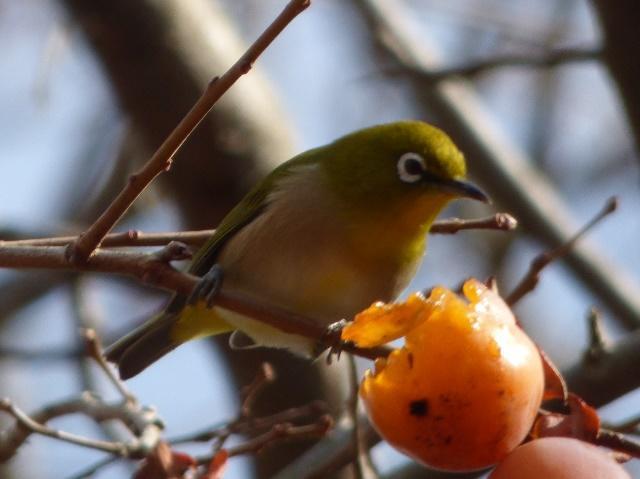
(407,166)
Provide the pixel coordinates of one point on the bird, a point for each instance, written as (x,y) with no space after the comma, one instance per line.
(324,235)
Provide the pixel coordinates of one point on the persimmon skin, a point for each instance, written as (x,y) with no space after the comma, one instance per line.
(558,458)
(465,389)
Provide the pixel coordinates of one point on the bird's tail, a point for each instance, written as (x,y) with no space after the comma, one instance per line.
(179,323)
(144,345)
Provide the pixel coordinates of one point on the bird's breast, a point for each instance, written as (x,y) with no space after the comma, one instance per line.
(301,255)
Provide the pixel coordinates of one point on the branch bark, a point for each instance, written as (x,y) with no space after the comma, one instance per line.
(143,422)
(499,221)
(154,269)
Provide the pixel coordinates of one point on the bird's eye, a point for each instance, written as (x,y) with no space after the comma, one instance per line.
(410,167)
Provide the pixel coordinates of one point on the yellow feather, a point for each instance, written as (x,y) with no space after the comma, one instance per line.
(198,321)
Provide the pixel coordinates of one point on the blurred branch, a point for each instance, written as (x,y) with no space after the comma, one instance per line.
(148,48)
(612,374)
(549,59)
(499,221)
(245,425)
(618,442)
(619,21)
(598,342)
(45,355)
(143,422)
(278,432)
(496,161)
(80,250)
(331,454)
(154,269)
(25,287)
(362,464)
(532,277)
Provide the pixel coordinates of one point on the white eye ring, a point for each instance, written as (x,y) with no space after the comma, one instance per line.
(411,167)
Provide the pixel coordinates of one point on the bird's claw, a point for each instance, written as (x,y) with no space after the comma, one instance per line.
(333,338)
(207,288)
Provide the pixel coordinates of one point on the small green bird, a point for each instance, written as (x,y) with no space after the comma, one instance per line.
(324,235)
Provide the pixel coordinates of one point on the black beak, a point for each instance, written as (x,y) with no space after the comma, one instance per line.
(463,189)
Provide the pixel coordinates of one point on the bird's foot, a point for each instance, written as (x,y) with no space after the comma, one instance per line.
(207,288)
(333,339)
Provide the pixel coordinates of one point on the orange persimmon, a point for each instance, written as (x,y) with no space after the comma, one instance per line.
(559,458)
(464,390)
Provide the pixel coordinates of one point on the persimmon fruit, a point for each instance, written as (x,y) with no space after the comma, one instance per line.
(466,387)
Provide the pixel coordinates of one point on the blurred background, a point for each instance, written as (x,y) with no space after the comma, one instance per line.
(537,94)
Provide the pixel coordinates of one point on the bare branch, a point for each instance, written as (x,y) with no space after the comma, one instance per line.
(598,343)
(331,454)
(127,238)
(154,269)
(549,59)
(278,432)
(95,467)
(80,250)
(627,426)
(616,441)
(95,351)
(249,393)
(499,221)
(618,22)
(612,375)
(143,422)
(246,425)
(532,277)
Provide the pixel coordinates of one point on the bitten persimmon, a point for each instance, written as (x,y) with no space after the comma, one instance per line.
(464,390)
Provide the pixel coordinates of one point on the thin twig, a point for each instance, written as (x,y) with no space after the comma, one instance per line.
(361,460)
(499,221)
(89,471)
(95,351)
(249,393)
(628,426)
(330,454)
(80,250)
(246,425)
(597,341)
(532,277)
(143,422)
(615,440)
(278,433)
(25,422)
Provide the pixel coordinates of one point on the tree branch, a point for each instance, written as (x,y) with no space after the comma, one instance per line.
(143,422)
(549,59)
(499,221)
(619,22)
(80,250)
(154,269)
(612,374)
(532,277)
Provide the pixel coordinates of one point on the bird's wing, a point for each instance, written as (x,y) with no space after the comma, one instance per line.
(242,214)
